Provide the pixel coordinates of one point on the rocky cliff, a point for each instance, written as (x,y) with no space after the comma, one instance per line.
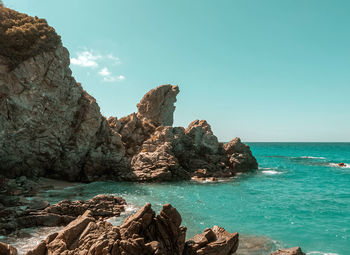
(50,126)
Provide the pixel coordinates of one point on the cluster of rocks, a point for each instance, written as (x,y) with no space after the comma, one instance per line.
(142,233)
(50,126)
(21,207)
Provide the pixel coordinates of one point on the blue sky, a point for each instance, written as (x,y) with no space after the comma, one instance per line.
(263,70)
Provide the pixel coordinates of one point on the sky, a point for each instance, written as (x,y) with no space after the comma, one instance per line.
(262,70)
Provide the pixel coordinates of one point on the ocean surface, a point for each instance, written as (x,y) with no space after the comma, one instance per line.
(298,197)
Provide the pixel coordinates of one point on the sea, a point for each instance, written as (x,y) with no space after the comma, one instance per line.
(299,196)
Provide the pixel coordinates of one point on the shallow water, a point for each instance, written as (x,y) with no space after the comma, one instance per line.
(298,197)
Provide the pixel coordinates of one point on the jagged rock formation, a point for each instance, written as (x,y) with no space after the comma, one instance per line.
(50,126)
(142,233)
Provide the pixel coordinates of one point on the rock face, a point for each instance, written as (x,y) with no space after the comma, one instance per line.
(142,233)
(290,251)
(50,126)
(158,105)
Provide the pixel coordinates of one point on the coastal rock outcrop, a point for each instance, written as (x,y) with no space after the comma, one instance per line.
(50,126)
(141,233)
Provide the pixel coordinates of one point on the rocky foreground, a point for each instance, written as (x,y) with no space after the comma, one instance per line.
(88,232)
(50,126)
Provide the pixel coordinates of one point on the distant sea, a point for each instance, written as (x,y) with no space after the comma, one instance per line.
(298,197)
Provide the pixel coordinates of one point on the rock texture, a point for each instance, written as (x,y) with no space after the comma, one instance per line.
(290,251)
(158,105)
(142,233)
(37,212)
(50,126)
(6,249)
(214,240)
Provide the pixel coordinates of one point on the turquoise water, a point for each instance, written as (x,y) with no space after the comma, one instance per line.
(298,197)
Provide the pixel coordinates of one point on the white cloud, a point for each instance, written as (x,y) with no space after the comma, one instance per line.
(104,72)
(108,77)
(90,59)
(86,59)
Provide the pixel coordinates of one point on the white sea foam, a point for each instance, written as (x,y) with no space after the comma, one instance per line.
(271,172)
(311,157)
(129,210)
(320,253)
(336,165)
(31,239)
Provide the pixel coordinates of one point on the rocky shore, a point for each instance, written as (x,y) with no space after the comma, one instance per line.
(86,231)
(50,127)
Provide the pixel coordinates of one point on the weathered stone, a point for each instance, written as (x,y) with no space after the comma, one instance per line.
(290,251)
(142,233)
(157,105)
(212,241)
(6,249)
(240,157)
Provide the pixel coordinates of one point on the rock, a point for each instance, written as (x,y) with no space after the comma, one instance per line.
(240,157)
(100,206)
(290,251)
(50,126)
(6,249)
(37,203)
(142,233)
(157,105)
(204,141)
(212,241)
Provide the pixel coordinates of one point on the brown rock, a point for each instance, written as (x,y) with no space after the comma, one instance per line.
(239,155)
(6,249)
(157,105)
(142,233)
(212,241)
(290,251)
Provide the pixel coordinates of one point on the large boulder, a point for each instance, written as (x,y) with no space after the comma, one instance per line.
(158,105)
(214,240)
(239,155)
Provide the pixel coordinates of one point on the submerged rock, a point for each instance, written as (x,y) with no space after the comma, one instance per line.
(290,251)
